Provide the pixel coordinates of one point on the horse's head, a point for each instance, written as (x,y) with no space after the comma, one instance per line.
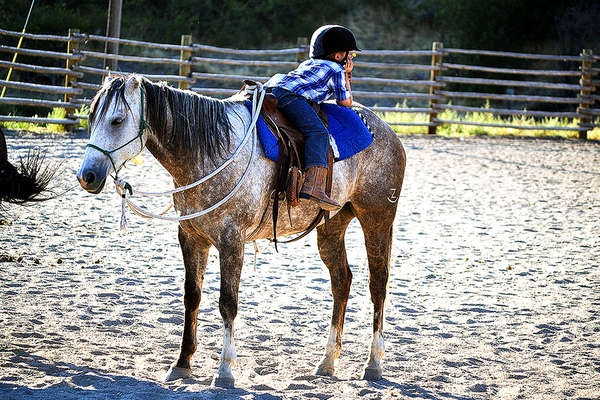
(117,124)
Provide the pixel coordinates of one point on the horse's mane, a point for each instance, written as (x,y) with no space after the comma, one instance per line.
(183,120)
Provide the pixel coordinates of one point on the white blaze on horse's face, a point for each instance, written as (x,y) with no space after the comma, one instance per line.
(115,137)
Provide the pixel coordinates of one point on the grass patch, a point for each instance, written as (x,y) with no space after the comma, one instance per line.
(454,130)
(84,111)
(56,113)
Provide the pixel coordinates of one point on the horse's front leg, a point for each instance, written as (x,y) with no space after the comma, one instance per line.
(231,254)
(195,254)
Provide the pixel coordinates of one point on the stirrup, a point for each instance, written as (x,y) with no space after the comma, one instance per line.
(323,203)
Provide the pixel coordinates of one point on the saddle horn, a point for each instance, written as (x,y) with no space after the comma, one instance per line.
(3,150)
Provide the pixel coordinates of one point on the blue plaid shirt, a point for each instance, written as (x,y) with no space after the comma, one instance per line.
(315,80)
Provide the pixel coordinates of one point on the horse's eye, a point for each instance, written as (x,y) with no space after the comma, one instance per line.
(117,121)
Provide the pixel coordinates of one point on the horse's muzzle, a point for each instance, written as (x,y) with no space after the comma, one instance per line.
(92,179)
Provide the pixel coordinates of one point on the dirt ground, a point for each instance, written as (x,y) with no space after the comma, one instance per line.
(494,291)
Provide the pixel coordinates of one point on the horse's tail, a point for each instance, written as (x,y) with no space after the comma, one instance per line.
(29,181)
(3,151)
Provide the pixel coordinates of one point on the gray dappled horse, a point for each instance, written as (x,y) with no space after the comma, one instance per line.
(27,182)
(191,135)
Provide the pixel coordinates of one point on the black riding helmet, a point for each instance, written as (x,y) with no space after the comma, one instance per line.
(330,39)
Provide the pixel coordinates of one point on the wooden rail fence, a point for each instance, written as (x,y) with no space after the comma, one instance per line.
(425,81)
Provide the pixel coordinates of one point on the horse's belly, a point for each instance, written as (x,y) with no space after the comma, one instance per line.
(298,220)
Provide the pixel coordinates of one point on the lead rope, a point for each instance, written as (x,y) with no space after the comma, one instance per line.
(123,187)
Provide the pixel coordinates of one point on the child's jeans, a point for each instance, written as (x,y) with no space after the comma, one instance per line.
(302,115)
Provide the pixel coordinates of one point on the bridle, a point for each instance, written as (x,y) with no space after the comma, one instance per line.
(142,128)
(122,187)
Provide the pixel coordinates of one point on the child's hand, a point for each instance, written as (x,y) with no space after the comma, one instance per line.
(349,64)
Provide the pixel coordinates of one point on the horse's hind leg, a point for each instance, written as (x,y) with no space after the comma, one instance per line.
(333,254)
(378,240)
(195,255)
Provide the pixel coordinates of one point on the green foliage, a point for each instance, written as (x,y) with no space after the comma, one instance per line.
(54,17)
(491,24)
(225,22)
(509,25)
(57,113)
(244,23)
(83,111)
(409,10)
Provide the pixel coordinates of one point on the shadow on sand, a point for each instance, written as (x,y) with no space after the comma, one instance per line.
(414,391)
(80,382)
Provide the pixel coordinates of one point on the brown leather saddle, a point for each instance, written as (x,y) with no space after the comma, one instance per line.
(290,163)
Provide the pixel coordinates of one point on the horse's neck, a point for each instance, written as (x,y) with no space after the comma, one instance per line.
(167,159)
(187,165)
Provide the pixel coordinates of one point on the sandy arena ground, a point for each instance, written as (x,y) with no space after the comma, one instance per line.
(494,292)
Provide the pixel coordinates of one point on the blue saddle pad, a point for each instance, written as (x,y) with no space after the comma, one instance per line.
(348,130)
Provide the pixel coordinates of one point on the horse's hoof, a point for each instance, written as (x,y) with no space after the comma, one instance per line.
(373,374)
(324,370)
(226,383)
(175,373)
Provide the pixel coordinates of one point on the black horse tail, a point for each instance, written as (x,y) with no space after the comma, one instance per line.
(27,183)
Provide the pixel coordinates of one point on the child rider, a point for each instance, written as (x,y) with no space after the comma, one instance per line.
(327,72)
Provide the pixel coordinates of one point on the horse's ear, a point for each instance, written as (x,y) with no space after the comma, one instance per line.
(133,83)
(3,151)
(108,78)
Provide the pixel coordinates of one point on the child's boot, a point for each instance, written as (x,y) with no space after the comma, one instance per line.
(314,188)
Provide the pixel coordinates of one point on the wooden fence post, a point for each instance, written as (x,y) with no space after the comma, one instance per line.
(436,61)
(113,30)
(302,55)
(72,48)
(586,91)
(185,55)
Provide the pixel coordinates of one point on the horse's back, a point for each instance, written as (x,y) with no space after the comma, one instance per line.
(386,142)
(380,167)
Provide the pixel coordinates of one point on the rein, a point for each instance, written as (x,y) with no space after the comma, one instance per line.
(123,187)
(142,128)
